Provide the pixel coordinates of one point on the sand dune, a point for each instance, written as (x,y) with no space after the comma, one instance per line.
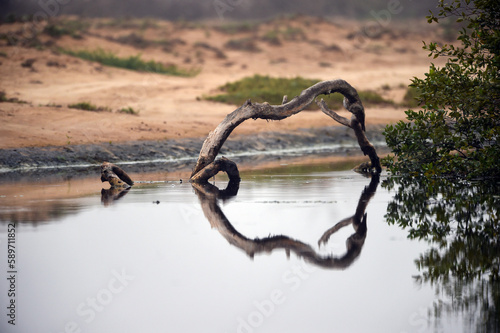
(170,106)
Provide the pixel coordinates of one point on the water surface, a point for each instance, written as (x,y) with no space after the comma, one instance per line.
(169,257)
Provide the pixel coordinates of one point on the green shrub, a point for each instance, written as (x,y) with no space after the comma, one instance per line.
(261,89)
(457,131)
(87,106)
(134,40)
(410,99)
(133,62)
(238,27)
(129,110)
(5,99)
(272,37)
(292,33)
(369,97)
(128,23)
(59,28)
(242,44)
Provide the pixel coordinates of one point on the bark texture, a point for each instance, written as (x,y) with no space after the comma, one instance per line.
(249,110)
(115,175)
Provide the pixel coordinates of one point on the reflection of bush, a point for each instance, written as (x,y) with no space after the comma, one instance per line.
(461,222)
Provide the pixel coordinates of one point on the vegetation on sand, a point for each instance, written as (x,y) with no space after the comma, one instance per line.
(129,110)
(87,106)
(261,89)
(73,28)
(133,62)
(5,99)
(242,44)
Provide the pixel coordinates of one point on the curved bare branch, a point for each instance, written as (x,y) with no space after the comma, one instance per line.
(222,164)
(216,139)
(366,147)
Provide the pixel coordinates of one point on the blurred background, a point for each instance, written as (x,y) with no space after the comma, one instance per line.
(202,9)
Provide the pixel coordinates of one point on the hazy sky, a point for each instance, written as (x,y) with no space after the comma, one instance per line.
(222,9)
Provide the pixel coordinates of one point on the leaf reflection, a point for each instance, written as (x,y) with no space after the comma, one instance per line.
(209,194)
(460,220)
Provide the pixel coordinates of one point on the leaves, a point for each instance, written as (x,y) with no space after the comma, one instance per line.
(457,132)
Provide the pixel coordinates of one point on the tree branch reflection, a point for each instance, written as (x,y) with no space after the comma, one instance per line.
(460,221)
(209,195)
(112,194)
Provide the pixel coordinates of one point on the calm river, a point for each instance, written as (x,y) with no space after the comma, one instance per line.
(289,249)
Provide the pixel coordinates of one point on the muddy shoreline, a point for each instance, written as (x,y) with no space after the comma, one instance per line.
(182,153)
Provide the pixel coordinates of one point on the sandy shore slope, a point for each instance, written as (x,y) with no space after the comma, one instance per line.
(171,107)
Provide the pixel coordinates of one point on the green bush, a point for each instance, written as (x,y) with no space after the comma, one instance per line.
(410,99)
(242,44)
(129,110)
(87,106)
(133,62)
(293,33)
(237,27)
(5,99)
(59,28)
(456,133)
(127,23)
(272,37)
(261,89)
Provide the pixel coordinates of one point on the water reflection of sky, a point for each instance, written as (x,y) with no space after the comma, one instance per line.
(139,266)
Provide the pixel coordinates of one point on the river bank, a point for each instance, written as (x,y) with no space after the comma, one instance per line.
(246,149)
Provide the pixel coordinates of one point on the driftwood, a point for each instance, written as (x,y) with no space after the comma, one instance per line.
(249,110)
(115,175)
(222,164)
(209,194)
(359,129)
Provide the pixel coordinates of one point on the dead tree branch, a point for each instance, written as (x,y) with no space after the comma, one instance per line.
(115,175)
(352,103)
(222,164)
(366,147)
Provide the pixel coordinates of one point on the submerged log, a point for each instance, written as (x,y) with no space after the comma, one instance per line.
(115,175)
(249,110)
